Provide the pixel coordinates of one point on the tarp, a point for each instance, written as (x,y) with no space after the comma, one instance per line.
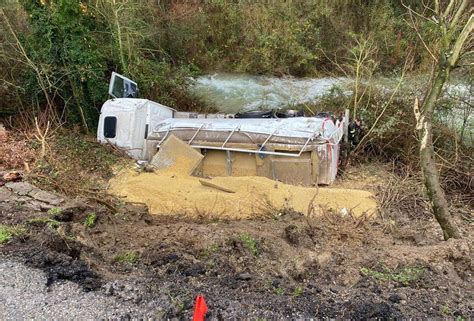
(297,127)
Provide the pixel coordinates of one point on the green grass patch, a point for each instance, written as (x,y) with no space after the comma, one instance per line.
(49,222)
(404,275)
(250,243)
(298,291)
(130,257)
(90,220)
(9,231)
(55,211)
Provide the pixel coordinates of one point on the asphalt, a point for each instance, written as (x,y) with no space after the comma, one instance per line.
(24,295)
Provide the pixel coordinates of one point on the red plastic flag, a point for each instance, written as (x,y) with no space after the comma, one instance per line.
(200,309)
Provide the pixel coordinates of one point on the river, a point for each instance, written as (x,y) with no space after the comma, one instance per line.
(232,93)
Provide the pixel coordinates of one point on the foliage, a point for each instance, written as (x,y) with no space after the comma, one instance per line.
(69,48)
(298,291)
(55,211)
(250,243)
(50,223)
(76,164)
(61,44)
(91,220)
(403,276)
(130,257)
(9,231)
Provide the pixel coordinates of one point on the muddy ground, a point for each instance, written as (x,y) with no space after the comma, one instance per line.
(283,265)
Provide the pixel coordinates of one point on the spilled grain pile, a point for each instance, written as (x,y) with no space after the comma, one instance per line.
(172,192)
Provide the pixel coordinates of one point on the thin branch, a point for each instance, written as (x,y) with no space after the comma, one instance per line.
(461,39)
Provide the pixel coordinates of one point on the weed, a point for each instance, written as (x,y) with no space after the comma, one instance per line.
(206,253)
(404,276)
(52,224)
(90,220)
(298,291)
(9,231)
(131,257)
(250,243)
(55,211)
(279,291)
(445,309)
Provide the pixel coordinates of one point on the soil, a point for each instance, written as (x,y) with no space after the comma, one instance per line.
(286,266)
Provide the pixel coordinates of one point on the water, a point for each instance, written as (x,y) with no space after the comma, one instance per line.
(232,93)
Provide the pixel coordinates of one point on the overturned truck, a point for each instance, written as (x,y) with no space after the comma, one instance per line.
(298,150)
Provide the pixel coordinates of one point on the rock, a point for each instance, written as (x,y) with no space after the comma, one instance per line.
(34,205)
(47,197)
(244,276)
(20,188)
(109,289)
(12,176)
(5,194)
(45,207)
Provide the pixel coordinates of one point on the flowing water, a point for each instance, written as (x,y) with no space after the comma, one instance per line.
(232,93)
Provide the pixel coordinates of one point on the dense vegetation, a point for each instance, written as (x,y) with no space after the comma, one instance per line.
(57,55)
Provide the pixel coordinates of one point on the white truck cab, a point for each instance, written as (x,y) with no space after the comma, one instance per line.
(125,120)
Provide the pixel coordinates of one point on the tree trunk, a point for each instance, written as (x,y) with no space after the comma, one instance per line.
(433,186)
(424,126)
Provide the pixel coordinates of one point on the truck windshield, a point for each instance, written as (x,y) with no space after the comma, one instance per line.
(122,87)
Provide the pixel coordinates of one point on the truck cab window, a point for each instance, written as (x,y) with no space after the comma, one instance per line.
(110,127)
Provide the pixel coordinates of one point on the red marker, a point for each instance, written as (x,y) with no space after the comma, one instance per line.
(200,309)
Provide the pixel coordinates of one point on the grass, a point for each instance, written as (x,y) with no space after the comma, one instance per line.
(90,220)
(279,291)
(298,291)
(130,257)
(9,231)
(404,275)
(52,224)
(250,243)
(76,163)
(55,211)
(445,309)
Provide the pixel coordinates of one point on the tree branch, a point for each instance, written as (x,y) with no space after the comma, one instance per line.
(461,39)
(458,13)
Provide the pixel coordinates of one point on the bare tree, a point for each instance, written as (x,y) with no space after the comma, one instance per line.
(454,22)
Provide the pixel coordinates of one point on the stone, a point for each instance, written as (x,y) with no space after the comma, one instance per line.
(47,197)
(244,276)
(5,194)
(34,205)
(12,176)
(20,188)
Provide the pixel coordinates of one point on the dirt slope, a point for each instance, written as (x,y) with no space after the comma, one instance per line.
(278,267)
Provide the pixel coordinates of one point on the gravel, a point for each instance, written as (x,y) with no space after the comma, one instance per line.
(24,295)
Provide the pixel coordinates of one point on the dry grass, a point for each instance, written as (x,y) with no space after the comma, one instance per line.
(15,150)
(403,195)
